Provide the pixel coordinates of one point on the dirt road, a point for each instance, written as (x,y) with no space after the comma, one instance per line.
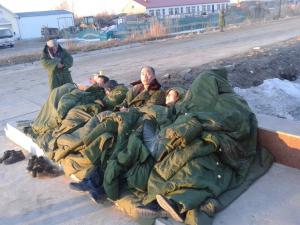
(22,47)
(24,87)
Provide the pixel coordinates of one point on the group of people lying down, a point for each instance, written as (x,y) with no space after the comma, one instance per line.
(187,153)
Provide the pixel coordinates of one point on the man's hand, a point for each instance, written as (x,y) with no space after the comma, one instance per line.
(60,65)
(82,87)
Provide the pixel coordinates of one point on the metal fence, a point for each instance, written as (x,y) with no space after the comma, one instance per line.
(245,12)
(144,27)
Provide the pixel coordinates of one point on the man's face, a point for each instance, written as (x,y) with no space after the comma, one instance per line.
(99,81)
(147,76)
(172,97)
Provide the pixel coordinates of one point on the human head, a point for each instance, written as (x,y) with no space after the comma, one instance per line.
(172,96)
(147,75)
(109,86)
(100,80)
(53,45)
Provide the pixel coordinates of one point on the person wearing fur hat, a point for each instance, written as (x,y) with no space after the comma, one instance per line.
(57,61)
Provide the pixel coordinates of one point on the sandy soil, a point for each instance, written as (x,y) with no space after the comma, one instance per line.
(280,60)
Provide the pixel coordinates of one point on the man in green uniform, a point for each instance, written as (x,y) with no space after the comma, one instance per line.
(57,61)
(146,91)
(222,20)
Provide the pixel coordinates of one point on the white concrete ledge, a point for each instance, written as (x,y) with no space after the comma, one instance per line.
(22,140)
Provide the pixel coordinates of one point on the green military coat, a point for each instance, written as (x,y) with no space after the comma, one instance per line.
(115,97)
(57,76)
(137,96)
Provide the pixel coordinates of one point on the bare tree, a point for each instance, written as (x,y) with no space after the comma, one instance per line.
(64,5)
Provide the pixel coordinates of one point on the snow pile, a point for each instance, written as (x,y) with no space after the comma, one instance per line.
(274,97)
(77,40)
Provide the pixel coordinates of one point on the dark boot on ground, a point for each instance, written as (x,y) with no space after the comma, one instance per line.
(5,156)
(31,163)
(151,210)
(83,186)
(92,182)
(97,195)
(14,156)
(43,168)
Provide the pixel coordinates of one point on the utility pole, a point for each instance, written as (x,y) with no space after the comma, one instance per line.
(279,11)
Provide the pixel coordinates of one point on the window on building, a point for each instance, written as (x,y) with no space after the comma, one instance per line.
(208,8)
(163,12)
(193,9)
(223,6)
(151,12)
(181,10)
(188,10)
(176,11)
(198,9)
(157,12)
(218,6)
(204,8)
(132,6)
(171,11)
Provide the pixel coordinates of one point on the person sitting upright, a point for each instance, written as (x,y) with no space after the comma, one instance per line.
(146,91)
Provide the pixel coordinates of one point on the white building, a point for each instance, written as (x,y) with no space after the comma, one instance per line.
(31,23)
(9,20)
(164,8)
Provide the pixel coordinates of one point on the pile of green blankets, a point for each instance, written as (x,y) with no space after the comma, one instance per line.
(202,152)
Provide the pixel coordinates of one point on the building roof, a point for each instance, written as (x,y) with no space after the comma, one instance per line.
(170,3)
(43,13)
(1,6)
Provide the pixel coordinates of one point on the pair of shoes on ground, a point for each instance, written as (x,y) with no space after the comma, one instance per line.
(96,192)
(41,167)
(12,156)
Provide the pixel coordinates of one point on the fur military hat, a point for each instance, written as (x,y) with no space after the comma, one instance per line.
(52,43)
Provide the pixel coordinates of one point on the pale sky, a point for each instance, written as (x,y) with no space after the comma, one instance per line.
(81,7)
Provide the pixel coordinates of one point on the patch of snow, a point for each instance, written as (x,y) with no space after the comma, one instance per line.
(76,40)
(275,97)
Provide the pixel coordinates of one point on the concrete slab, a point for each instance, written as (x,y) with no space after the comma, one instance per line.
(282,138)
(27,200)
(273,200)
(278,125)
